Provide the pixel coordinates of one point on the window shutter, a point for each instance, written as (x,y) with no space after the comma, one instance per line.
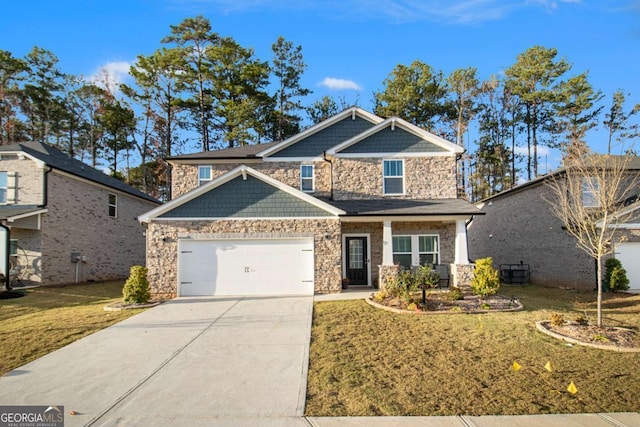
(12,184)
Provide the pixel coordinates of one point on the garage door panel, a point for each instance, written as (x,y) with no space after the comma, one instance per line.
(629,254)
(246,267)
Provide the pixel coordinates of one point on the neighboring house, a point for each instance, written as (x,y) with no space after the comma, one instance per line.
(520,227)
(67,221)
(350,198)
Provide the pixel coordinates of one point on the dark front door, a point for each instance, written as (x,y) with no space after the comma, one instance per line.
(357,260)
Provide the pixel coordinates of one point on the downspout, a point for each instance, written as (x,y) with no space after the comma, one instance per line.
(45,188)
(7,249)
(324,157)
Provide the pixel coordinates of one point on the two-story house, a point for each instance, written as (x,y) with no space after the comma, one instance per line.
(62,221)
(352,197)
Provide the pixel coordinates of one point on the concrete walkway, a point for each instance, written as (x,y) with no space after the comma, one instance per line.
(190,361)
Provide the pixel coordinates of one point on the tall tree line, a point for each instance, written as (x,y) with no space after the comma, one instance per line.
(205,91)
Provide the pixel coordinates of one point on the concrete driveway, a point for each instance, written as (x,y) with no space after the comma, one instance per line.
(190,361)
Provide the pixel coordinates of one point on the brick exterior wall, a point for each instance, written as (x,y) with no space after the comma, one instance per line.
(425,178)
(77,220)
(28,181)
(162,247)
(520,226)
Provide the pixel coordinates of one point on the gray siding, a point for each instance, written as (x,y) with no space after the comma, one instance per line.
(316,144)
(393,141)
(520,226)
(252,198)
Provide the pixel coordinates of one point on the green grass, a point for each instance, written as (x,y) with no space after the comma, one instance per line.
(49,318)
(365,361)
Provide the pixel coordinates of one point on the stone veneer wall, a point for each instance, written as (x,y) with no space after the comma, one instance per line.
(185,177)
(462,275)
(425,178)
(77,220)
(387,272)
(163,236)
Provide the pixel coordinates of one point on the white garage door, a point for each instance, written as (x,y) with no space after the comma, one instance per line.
(245,267)
(629,256)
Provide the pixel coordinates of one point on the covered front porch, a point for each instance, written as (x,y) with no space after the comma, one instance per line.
(374,248)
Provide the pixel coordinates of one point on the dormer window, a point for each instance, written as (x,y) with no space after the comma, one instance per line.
(306,178)
(393,177)
(204,174)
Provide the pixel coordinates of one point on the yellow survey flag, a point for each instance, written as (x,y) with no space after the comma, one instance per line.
(516,366)
(548,366)
(572,388)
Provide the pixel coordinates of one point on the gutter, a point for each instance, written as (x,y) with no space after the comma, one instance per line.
(45,188)
(326,159)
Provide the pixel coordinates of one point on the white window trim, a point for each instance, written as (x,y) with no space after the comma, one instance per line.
(114,205)
(203,181)
(384,189)
(415,247)
(313,178)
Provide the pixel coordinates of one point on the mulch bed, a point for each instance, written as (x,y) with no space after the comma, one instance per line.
(585,334)
(440,303)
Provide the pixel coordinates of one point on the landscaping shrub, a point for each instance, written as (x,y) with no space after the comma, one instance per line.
(136,288)
(426,275)
(557,319)
(485,281)
(615,277)
(455,294)
(403,285)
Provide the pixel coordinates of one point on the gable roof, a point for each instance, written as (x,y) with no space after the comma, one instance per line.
(365,120)
(395,135)
(595,161)
(242,193)
(51,156)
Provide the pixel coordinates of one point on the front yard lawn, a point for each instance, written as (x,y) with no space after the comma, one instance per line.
(49,318)
(366,361)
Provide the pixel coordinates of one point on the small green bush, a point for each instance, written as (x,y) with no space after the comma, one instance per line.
(485,278)
(426,275)
(136,288)
(615,277)
(455,294)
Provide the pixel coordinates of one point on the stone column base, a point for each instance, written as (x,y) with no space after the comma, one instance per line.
(387,272)
(462,275)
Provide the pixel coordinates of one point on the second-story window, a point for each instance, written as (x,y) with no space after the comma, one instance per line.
(204,174)
(393,177)
(3,187)
(590,192)
(306,178)
(113,205)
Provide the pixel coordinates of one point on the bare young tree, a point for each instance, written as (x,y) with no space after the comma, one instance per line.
(588,197)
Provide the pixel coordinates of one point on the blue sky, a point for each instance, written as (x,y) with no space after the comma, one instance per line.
(350,46)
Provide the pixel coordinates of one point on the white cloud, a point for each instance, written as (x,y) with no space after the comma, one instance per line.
(339,84)
(111,75)
(454,11)
(542,151)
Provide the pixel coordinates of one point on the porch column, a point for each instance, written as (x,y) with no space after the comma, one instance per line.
(462,252)
(387,244)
